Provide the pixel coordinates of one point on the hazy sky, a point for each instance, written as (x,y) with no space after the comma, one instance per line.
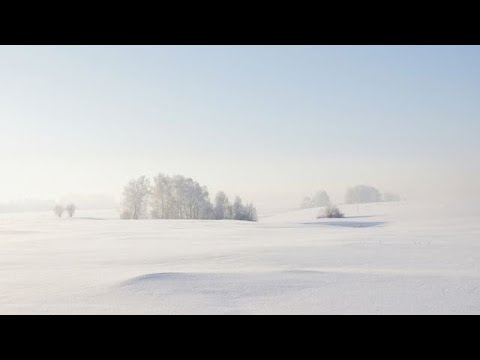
(266,122)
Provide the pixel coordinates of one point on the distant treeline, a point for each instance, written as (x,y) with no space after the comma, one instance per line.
(179,197)
(355,195)
(366,194)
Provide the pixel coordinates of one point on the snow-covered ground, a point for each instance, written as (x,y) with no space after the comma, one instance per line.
(397,258)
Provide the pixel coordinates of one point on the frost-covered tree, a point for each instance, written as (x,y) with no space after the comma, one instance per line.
(179,193)
(178,197)
(222,206)
(237,209)
(362,194)
(191,201)
(250,213)
(135,198)
(198,201)
(206,211)
(241,212)
(320,198)
(71,208)
(59,210)
(388,196)
(306,203)
(161,197)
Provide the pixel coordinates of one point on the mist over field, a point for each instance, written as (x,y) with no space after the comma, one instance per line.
(239,179)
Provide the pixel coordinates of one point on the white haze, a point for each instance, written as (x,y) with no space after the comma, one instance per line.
(77,123)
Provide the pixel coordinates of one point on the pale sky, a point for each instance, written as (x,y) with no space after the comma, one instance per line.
(270,123)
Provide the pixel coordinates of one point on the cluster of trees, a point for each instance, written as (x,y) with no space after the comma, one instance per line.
(59,210)
(365,194)
(362,194)
(237,211)
(355,195)
(320,198)
(178,197)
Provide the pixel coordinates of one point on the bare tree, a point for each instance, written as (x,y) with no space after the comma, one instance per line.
(71,208)
(59,210)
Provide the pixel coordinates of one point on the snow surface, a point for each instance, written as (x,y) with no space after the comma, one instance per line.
(386,258)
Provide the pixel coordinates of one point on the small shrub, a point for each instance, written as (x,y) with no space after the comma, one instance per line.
(71,208)
(59,210)
(331,211)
